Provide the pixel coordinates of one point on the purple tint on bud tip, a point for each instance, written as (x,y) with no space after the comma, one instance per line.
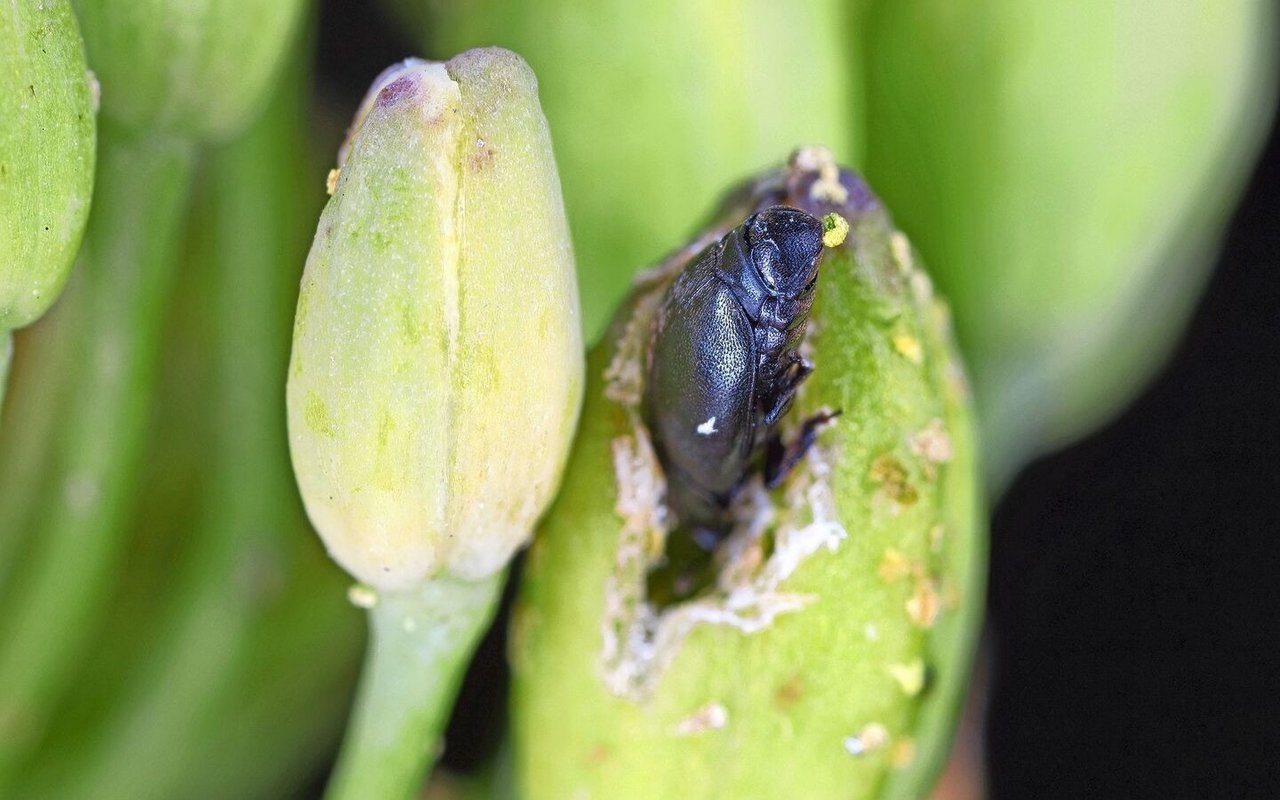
(405,73)
(399,89)
(861,198)
(818,184)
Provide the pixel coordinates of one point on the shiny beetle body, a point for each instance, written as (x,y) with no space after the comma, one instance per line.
(724,365)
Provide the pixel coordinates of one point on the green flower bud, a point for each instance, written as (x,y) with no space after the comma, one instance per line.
(1068,167)
(656,112)
(826,656)
(437,361)
(194,68)
(47,129)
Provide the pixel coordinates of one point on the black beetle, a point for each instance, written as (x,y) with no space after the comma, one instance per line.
(724,365)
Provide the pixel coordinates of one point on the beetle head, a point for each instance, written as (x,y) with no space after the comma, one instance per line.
(785,245)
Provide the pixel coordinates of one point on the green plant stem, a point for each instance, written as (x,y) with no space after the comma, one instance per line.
(420,643)
(128,262)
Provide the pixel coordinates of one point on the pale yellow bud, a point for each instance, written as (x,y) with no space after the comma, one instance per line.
(437,355)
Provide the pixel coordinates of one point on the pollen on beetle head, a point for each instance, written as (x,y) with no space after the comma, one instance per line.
(834,229)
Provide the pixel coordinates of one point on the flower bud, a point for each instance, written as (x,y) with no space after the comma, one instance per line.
(437,362)
(825,655)
(47,129)
(192,68)
(1068,170)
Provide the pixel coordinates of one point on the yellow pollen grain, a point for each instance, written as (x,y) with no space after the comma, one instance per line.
(893,479)
(903,752)
(834,229)
(923,606)
(936,534)
(908,347)
(900,248)
(331,181)
(893,566)
(873,736)
(710,717)
(909,676)
(655,544)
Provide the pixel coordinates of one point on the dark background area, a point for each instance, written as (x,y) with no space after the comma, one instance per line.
(1134,576)
(1133,590)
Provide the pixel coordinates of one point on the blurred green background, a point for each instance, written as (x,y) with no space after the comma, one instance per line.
(1066,170)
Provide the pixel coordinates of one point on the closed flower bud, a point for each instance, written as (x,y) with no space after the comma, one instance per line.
(46,155)
(824,651)
(437,362)
(191,68)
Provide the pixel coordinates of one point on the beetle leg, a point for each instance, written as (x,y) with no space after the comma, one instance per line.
(780,458)
(780,407)
(792,376)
